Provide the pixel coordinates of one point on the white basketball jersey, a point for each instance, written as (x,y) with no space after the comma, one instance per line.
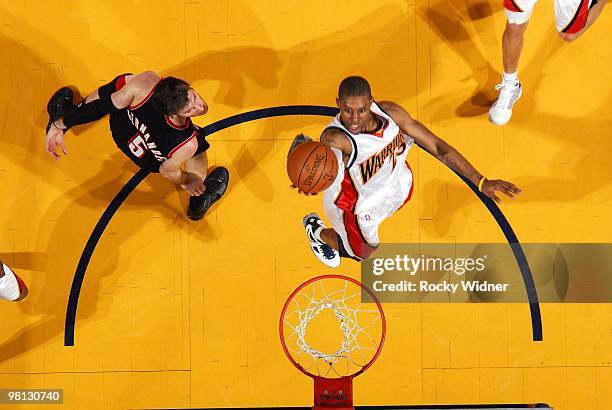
(377,174)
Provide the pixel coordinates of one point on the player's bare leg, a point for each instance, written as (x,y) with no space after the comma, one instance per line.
(330,237)
(510,89)
(512,45)
(594,12)
(198,165)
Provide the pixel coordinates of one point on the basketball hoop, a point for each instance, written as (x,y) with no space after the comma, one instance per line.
(335,304)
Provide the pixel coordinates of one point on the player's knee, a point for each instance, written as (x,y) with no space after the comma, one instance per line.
(329,236)
(569,37)
(516,30)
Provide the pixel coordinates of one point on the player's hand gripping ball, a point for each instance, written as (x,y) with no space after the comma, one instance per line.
(312,167)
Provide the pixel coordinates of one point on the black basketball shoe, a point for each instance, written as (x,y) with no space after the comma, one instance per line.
(216,184)
(59,104)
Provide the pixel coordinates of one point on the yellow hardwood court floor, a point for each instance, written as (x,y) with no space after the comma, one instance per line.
(175,313)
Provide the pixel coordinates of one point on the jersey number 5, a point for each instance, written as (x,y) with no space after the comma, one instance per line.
(137,145)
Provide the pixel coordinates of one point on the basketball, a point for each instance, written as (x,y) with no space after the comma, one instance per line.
(312,167)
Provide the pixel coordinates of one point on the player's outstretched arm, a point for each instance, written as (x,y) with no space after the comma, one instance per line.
(97,108)
(336,139)
(446,153)
(172,169)
(331,137)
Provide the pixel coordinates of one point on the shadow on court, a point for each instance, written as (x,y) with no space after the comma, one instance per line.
(90,184)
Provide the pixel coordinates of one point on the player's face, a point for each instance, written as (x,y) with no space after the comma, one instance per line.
(355,112)
(195,105)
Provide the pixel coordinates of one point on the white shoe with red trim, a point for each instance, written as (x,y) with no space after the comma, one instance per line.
(325,253)
(11,285)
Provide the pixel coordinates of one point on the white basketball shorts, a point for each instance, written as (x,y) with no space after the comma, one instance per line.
(570,15)
(359,231)
(11,286)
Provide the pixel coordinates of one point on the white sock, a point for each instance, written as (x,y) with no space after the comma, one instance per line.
(511,78)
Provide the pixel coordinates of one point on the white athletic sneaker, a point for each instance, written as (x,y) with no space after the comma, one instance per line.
(325,253)
(11,285)
(501,110)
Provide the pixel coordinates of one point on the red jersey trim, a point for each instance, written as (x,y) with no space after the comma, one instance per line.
(346,201)
(361,248)
(120,83)
(140,104)
(511,5)
(193,135)
(21,284)
(411,188)
(175,126)
(348,195)
(381,131)
(579,20)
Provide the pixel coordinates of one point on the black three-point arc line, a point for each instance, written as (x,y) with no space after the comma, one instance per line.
(79,275)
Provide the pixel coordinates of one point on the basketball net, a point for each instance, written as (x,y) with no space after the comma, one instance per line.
(329,334)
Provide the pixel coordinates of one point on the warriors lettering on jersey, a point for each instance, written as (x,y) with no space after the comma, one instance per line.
(140,142)
(372,165)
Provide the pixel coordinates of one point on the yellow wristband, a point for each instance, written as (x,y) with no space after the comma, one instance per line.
(482,180)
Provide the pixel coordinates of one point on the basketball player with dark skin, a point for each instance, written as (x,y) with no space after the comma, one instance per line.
(186,165)
(356,116)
